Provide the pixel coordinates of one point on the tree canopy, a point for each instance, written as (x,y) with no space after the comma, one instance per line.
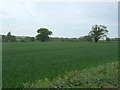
(8,38)
(98,31)
(43,34)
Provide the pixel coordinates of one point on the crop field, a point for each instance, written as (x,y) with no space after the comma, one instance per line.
(26,62)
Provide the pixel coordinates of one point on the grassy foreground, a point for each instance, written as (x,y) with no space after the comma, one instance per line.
(27,62)
(105,76)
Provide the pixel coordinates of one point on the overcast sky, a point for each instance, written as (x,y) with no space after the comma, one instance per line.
(64,19)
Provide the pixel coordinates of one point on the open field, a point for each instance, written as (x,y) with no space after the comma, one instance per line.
(30,61)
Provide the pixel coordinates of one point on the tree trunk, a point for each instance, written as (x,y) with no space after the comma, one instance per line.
(43,40)
(96,40)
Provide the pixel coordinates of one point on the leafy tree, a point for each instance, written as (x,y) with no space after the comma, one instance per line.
(4,38)
(8,37)
(98,31)
(43,34)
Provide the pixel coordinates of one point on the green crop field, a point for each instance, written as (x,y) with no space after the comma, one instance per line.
(30,61)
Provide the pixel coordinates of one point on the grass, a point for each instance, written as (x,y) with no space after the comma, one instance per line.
(30,61)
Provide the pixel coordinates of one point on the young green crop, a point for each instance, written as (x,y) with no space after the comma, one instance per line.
(29,61)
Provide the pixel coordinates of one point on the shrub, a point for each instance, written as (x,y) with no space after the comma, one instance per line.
(103,76)
(108,39)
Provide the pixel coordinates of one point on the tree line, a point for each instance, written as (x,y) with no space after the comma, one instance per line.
(97,32)
(8,38)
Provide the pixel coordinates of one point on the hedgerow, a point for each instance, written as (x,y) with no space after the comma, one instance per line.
(103,76)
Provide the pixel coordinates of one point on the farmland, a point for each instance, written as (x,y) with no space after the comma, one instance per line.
(30,61)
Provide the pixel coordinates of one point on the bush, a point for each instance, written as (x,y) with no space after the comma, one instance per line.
(107,39)
(103,76)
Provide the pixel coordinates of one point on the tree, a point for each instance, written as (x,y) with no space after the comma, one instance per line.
(4,38)
(98,31)
(8,37)
(43,34)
